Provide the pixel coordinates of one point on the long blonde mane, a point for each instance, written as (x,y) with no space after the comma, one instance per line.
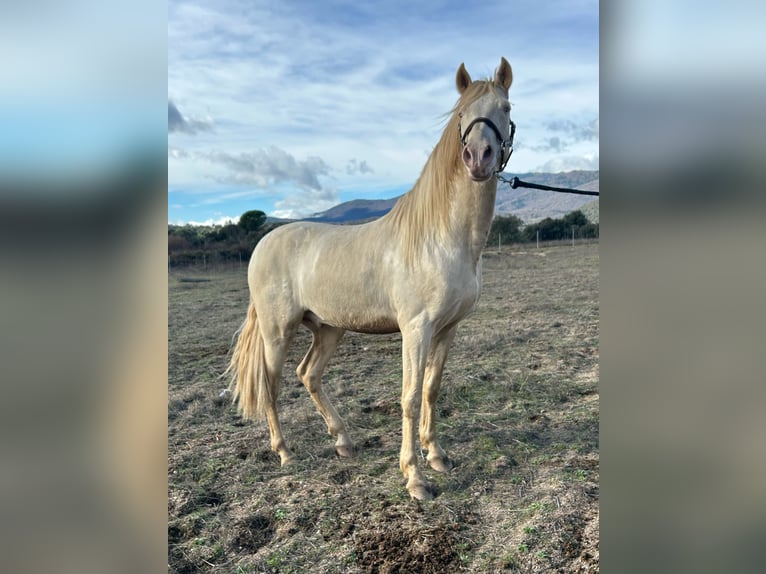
(423,213)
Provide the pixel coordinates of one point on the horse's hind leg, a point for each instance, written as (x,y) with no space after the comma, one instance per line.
(326,339)
(275,351)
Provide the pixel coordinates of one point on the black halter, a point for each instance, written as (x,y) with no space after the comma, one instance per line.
(505,145)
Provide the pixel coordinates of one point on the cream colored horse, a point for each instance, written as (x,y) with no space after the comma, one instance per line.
(416,270)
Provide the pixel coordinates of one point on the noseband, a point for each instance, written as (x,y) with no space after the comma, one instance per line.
(505,145)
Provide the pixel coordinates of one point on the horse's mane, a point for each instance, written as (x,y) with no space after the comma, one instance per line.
(423,212)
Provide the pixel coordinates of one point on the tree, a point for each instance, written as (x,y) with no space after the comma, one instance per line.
(575,218)
(558,229)
(177,243)
(589,231)
(229,234)
(252,220)
(506,228)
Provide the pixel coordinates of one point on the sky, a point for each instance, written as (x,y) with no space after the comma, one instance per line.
(292,107)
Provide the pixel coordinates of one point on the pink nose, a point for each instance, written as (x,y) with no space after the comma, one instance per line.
(478,159)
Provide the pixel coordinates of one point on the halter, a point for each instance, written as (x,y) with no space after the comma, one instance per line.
(505,145)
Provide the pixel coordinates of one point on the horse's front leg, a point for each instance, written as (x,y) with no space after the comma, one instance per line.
(415,344)
(437,356)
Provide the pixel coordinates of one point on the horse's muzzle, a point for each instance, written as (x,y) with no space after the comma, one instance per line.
(480,160)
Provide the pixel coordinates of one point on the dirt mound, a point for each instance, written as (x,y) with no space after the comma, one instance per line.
(393,550)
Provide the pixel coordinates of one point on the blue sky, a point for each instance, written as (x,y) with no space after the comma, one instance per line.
(292,107)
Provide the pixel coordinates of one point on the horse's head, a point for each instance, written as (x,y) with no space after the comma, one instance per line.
(485,127)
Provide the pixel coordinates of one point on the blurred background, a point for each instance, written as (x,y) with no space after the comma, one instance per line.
(682,278)
(83,287)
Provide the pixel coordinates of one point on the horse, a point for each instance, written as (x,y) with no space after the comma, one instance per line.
(415,270)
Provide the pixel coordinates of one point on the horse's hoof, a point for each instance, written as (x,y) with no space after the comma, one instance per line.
(344,451)
(420,491)
(288,459)
(441,464)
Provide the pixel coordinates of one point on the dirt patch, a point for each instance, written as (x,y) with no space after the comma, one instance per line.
(392,550)
(251,533)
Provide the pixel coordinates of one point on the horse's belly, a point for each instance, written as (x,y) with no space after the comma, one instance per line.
(367,321)
(381,327)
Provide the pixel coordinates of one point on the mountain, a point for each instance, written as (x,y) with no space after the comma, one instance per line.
(530,205)
(356,210)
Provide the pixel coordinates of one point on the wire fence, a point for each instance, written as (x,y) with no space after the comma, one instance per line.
(201,261)
(213,262)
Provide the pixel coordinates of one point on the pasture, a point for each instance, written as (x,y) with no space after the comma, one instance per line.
(518,414)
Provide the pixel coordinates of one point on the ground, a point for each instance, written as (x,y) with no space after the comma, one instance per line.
(518,414)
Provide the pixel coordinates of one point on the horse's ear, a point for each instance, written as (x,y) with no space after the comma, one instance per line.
(462,80)
(504,75)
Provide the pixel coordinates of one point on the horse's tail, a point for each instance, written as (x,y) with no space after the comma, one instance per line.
(250,384)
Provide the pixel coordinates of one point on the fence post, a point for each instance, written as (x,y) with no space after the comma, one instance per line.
(538,239)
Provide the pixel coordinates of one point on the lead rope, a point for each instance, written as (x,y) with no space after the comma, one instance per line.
(516,182)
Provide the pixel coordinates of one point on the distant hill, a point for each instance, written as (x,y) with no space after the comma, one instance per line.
(530,205)
(355,210)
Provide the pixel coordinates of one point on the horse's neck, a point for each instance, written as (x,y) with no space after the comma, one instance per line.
(473,205)
(443,206)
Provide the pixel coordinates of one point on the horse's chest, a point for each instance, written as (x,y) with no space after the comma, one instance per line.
(461,294)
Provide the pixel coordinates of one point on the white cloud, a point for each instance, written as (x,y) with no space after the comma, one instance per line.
(569,163)
(270,166)
(177,153)
(222,220)
(179,123)
(305,203)
(568,133)
(551,144)
(358,167)
(584,131)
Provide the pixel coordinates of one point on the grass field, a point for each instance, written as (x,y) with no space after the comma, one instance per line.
(519,415)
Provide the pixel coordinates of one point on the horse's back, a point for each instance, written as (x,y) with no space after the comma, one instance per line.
(305,246)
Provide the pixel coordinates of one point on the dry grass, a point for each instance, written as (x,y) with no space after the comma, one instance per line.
(518,414)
